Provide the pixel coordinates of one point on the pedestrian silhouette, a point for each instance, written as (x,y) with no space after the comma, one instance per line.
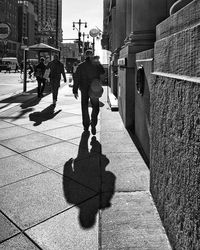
(86,183)
(44,115)
(56,70)
(89,72)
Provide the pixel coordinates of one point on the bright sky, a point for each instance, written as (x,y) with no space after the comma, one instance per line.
(90,11)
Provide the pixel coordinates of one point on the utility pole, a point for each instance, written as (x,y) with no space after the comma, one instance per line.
(79,31)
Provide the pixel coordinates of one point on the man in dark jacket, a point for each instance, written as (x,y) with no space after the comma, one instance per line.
(86,72)
(56,69)
(39,73)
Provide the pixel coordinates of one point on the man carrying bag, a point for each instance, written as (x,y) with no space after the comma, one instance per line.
(87,79)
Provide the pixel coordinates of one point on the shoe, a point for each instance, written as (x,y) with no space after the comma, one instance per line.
(93,130)
(54,102)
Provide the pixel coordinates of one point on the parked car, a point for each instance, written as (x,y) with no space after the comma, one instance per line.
(4,67)
(9,64)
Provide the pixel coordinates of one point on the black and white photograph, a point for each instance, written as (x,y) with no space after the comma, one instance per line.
(100,124)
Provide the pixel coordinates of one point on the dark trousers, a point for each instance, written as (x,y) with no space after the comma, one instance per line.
(54,89)
(41,85)
(85,110)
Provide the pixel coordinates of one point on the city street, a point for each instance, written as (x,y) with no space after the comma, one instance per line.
(64,189)
(11,83)
(100,134)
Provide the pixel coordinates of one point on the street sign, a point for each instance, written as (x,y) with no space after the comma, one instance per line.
(5,30)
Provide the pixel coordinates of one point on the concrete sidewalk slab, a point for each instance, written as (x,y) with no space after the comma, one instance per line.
(18,242)
(132,175)
(35,140)
(4,124)
(45,125)
(117,142)
(132,222)
(65,133)
(17,167)
(66,231)
(5,152)
(13,132)
(30,201)
(71,120)
(9,229)
(55,155)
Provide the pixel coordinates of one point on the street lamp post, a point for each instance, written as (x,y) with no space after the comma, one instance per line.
(84,40)
(79,31)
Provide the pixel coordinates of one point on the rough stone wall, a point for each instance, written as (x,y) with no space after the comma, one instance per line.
(188,16)
(179,53)
(175,159)
(175,127)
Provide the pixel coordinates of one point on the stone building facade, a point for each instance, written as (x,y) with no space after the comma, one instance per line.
(165,108)
(9,15)
(49,14)
(130,27)
(175,126)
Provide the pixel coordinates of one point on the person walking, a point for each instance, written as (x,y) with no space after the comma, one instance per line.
(86,72)
(56,69)
(39,73)
(30,70)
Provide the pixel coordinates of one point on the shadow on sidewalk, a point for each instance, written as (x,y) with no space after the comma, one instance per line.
(88,172)
(44,115)
(26,99)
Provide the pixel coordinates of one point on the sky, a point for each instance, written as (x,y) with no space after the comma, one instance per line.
(90,11)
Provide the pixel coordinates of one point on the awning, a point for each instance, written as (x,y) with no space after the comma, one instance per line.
(42,47)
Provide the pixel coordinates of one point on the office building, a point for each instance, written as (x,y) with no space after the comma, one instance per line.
(49,14)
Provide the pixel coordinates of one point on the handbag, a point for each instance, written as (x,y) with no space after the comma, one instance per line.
(96,89)
(46,74)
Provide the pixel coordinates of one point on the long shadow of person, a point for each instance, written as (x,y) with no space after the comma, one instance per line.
(31,103)
(44,115)
(92,187)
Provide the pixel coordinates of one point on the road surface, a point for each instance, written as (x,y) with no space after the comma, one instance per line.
(11,83)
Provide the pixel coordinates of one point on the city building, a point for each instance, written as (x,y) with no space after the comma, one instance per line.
(9,15)
(27,26)
(69,55)
(27,23)
(49,14)
(154,74)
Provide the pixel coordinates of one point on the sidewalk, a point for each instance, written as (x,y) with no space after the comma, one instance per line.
(63,189)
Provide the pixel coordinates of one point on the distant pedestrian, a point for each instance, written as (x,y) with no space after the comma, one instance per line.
(39,73)
(75,65)
(16,68)
(21,67)
(56,69)
(30,70)
(86,73)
